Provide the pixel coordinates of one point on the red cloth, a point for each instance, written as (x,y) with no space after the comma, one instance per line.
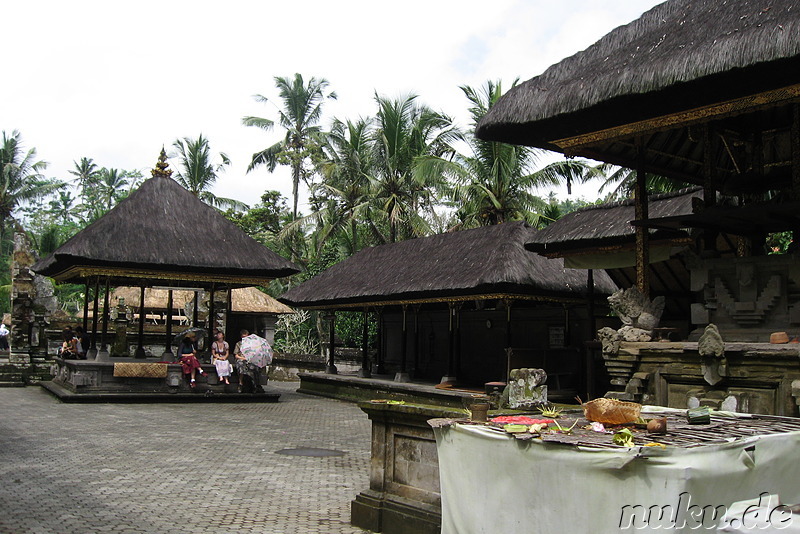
(189,362)
(520,420)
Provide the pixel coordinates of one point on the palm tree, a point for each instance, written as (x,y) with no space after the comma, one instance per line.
(623,182)
(494,184)
(198,174)
(87,174)
(21,178)
(406,132)
(302,110)
(63,207)
(344,191)
(110,187)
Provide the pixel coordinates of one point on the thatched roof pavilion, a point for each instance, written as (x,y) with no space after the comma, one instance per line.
(443,277)
(604,232)
(165,237)
(682,64)
(484,263)
(703,92)
(162,232)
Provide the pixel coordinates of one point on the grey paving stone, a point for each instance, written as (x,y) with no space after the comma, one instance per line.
(131,468)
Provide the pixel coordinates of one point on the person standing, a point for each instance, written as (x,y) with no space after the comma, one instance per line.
(3,336)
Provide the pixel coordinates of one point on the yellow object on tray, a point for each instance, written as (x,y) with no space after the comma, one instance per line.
(612,411)
(140,370)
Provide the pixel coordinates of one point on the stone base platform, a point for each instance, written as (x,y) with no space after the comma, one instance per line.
(356,389)
(94,381)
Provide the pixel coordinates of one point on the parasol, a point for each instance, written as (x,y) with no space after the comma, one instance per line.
(256,350)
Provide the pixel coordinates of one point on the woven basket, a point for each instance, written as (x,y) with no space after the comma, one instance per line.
(611,411)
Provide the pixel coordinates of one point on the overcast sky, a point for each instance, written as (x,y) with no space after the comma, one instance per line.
(115,81)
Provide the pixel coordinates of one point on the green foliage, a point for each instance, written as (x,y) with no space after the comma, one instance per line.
(778,242)
(350,329)
(295,333)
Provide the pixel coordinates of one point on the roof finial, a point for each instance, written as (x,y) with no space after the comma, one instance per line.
(161,167)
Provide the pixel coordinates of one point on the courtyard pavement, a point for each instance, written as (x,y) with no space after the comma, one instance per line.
(179,468)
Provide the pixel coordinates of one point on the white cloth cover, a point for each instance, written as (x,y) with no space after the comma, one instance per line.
(491,482)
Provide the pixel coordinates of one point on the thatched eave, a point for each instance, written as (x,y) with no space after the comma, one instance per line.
(488,261)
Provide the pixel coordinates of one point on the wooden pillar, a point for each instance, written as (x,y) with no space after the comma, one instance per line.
(403,376)
(168,356)
(508,303)
(416,339)
(379,354)
(140,346)
(92,352)
(587,350)
(795,141)
(365,371)
(103,354)
(196,309)
(86,308)
(212,313)
(709,195)
(451,346)
(331,367)
(642,232)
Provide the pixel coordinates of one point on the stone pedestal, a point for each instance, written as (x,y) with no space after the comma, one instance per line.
(403,495)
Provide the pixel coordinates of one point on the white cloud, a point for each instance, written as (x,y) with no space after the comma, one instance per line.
(116,81)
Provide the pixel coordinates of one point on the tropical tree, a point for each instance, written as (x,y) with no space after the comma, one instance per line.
(63,207)
(405,133)
(198,174)
(342,199)
(495,183)
(21,178)
(300,115)
(622,182)
(87,174)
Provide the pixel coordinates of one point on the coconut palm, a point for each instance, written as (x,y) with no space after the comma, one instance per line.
(622,182)
(300,114)
(198,174)
(406,132)
(343,195)
(87,174)
(21,178)
(495,183)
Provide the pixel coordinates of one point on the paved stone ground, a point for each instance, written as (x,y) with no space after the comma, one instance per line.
(158,468)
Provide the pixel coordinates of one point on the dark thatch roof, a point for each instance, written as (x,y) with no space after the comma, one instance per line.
(686,50)
(487,262)
(163,232)
(605,225)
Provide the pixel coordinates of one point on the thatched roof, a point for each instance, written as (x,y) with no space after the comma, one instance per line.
(602,226)
(243,299)
(251,300)
(684,63)
(153,298)
(163,232)
(685,45)
(487,262)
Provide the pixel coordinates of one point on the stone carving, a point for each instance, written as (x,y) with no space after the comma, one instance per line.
(526,388)
(754,305)
(712,353)
(609,339)
(636,310)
